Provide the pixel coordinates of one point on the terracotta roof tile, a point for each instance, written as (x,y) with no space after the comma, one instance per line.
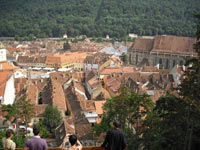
(79,86)
(174,44)
(39,109)
(143,44)
(99,107)
(58,95)
(5,65)
(111,70)
(53,59)
(87,105)
(4,76)
(32,94)
(149,69)
(106,93)
(113,84)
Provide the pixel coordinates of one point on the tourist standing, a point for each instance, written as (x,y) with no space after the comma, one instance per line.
(75,143)
(7,142)
(115,138)
(36,143)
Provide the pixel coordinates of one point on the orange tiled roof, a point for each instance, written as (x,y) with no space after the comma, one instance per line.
(79,87)
(58,95)
(110,70)
(87,106)
(106,93)
(113,84)
(93,81)
(99,107)
(53,59)
(4,76)
(75,57)
(5,65)
(143,44)
(149,69)
(39,109)
(13,49)
(175,44)
(32,94)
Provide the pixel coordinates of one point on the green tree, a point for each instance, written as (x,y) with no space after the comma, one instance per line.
(165,127)
(19,140)
(66,46)
(52,118)
(20,109)
(44,133)
(130,109)
(17,38)
(175,122)
(123,57)
(189,91)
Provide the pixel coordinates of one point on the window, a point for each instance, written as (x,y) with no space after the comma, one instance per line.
(160,61)
(40,98)
(136,59)
(167,64)
(174,63)
(181,63)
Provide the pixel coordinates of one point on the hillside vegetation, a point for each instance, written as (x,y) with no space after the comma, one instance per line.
(94,18)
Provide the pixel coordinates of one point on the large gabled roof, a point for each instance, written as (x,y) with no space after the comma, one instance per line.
(166,44)
(173,44)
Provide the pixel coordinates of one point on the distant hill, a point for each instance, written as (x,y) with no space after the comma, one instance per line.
(53,18)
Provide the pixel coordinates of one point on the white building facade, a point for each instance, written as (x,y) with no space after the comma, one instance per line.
(3,54)
(9,93)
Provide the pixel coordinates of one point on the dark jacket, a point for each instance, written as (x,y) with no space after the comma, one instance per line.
(114,140)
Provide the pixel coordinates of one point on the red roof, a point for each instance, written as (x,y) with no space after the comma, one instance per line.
(4,76)
(175,44)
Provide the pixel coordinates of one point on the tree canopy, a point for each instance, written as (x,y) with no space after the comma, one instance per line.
(52,118)
(173,124)
(96,18)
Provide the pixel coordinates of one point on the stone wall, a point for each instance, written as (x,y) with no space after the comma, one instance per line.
(166,61)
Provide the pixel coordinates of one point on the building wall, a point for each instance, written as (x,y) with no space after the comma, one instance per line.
(107,63)
(168,61)
(9,95)
(136,57)
(88,88)
(53,65)
(3,54)
(78,66)
(96,92)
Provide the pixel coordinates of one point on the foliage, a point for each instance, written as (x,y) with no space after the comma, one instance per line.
(96,18)
(165,127)
(19,141)
(130,109)
(192,76)
(11,109)
(20,109)
(52,118)
(66,46)
(30,37)
(44,133)
(123,57)
(25,110)
(175,122)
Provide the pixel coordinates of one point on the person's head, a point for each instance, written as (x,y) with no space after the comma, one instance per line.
(116,124)
(72,139)
(9,133)
(36,130)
